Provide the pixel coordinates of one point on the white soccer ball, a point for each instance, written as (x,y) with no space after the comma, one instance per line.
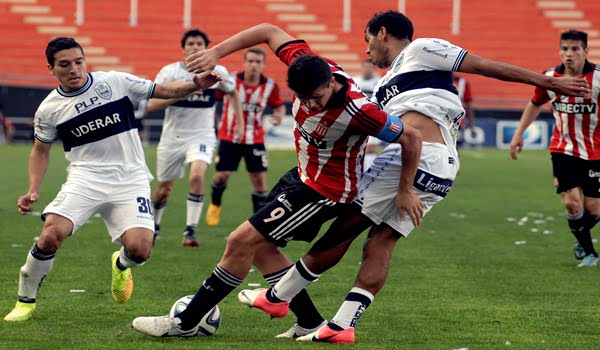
(208,324)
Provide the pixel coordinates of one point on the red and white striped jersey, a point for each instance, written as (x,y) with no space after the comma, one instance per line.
(255,99)
(330,144)
(464,92)
(576,131)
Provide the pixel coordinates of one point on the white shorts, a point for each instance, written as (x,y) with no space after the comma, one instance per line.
(122,205)
(379,185)
(171,158)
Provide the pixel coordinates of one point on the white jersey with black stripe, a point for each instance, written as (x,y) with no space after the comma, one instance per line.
(96,124)
(420,79)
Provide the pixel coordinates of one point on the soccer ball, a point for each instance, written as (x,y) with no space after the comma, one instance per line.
(208,324)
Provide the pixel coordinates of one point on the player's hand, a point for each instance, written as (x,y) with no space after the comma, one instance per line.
(408,202)
(24,203)
(516,145)
(570,86)
(206,79)
(276,119)
(201,61)
(238,132)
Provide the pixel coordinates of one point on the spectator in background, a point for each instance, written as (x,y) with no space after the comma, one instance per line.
(366,81)
(464,92)
(7,130)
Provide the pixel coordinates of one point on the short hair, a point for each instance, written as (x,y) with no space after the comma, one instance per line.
(192,33)
(256,50)
(58,44)
(575,35)
(307,73)
(396,23)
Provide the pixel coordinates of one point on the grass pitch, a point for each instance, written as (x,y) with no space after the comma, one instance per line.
(458,281)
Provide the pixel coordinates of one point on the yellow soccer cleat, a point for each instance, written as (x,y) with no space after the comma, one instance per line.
(213,214)
(122,282)
(21,312)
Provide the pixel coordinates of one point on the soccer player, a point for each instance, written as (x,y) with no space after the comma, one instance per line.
(367,80)
(7,130)
(333,119)
(463,87)
(417,86)
(188,135)
(575,153)
(256,92)
(92,113)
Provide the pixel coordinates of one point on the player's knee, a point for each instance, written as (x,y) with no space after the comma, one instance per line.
(197,180)
(52,237)
(243,241)
(221,177)
(139,252)
(164,190)
(572,206)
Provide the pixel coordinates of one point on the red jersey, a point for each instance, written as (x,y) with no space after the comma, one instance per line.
(330,144)
(464,92)
(255,99)
(576,131)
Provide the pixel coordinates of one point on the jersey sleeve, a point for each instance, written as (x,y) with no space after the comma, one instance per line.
(43,128)
(275,99)
(437,54)
(136,88)
(289,51)
(540,96)
(226,85)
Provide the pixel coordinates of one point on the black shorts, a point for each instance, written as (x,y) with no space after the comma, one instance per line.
(570,172)
(231,153)
(294,211)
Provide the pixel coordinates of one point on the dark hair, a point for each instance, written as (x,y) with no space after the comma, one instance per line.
(59,44)
(192,33)
(256,50)
(308,73)
(575,35)
(397,24)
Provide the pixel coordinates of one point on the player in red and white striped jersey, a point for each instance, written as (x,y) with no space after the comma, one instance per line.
(333,119)
(575,143)
(256,92)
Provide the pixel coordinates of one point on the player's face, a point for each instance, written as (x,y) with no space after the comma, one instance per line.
(376,50)
(69,68)
(316,101)
(572,53)
(254,63)
(193,44)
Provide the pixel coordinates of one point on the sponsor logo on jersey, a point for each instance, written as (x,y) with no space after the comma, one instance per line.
(103,90)
(313,141)
(96,124)
(251,107)
(427,182)
(432,52)
(574,108)
(85,105)
(285,202)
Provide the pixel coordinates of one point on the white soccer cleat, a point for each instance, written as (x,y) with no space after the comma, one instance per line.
(589,261)
(162,326)
(297,331)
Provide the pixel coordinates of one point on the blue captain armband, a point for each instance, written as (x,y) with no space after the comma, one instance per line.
(392,130)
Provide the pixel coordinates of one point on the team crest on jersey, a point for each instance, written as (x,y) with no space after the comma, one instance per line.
(103,90)
(321,129)
(399,64)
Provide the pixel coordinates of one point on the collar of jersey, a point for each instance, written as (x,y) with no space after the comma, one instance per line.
(587,68)
(79,91)
(338,99)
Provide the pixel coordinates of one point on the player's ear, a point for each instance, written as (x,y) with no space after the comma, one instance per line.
(51,69)
(382,33)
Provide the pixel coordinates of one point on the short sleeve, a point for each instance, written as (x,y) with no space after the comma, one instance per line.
(371,119)
(136,88)
(289,51)
(226,85)
(437,54)
(540,96)
(44,129)
(275,99)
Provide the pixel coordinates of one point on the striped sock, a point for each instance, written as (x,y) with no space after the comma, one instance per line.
(32,274)
(295,280)
(194,209)
(159,209)
(357,301)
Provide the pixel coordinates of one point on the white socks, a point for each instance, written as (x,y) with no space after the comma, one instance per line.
(37,266)
(292,283)
(353,307)
(194,209)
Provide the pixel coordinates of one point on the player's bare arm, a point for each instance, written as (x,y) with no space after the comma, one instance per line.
(503,71)
(531,112)
(38,164)
(406,199)
(261,34)
(179,89)
(156,104)
(240,127)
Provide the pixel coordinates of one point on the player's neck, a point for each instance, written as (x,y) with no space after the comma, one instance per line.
(251,79)
(396,48)
(575,71)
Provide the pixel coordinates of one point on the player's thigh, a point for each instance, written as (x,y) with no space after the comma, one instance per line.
(202,151)
(129,207)
(198,168)
(170,162)
(256,158)
(258,180)
(229,157)
(56,229)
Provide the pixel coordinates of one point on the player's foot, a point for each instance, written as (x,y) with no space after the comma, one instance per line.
(21,312)
(297,331)
(328,335)
(578,251)
(156,233)
(122,281)
(258,298)
(189,238)
(589,261)
(162,326)
(213,214)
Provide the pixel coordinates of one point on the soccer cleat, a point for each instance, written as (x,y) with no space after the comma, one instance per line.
(297,331)
(21,312)
(162,326)
(122,282)
(328,335)
(578,251)
(189,238)
(213,215)
(258,298)
(589,261)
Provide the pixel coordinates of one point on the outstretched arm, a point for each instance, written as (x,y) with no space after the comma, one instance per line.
(261,34)
(180,89)
(504,71)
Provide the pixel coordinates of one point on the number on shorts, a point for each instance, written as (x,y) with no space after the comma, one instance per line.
(276,214)
(145,207)
(202,148)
